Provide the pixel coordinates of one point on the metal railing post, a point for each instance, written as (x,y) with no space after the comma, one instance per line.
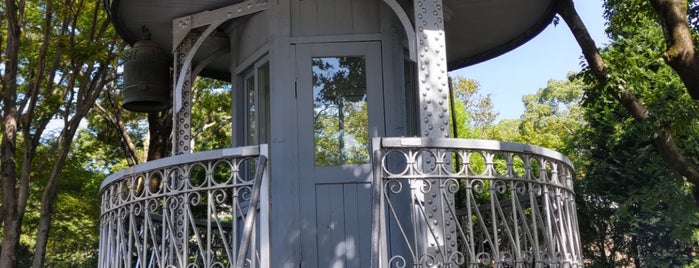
(252,212)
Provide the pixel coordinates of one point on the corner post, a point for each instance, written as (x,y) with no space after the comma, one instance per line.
(440,241)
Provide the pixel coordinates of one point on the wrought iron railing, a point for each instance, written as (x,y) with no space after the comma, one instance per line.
(193,210)
(500,205)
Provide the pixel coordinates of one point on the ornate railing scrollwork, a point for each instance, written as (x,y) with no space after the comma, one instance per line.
(514,205)
(193,210)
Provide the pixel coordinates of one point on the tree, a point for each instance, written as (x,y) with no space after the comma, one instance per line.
(632,209)
(117,138)
(211,114)
(640,145)
(473,111)
(13,201)
(552,116)
(479,107)
(57,58)
(75,222)
(635,17)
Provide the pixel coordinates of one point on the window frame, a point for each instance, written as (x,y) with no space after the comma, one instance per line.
(243,133)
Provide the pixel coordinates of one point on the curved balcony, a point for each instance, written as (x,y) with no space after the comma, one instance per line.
(190,210)
(473,203)
(437,203)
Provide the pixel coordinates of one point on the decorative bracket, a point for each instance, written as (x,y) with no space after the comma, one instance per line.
(185,44)
(183,25)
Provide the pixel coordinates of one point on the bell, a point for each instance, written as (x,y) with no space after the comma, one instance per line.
(146,86)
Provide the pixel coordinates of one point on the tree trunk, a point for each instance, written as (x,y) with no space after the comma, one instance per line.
(48,197)
(21,113)
(88,92)
(129,147)
(12,220)
(664,142)
(80,102)
(117,122)
(159,128)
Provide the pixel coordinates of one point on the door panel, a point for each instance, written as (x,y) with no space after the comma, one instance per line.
(343,219)
(339,104)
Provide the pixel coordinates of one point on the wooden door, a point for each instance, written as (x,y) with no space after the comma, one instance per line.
(339,104)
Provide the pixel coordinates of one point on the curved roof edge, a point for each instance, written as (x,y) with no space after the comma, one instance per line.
(540,22)
(508,46)
(112,7)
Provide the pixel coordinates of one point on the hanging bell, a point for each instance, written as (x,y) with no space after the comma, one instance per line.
(146,86)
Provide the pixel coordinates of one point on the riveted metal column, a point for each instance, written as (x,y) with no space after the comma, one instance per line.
(186,42)
(182,137)
(181,141)
(434,122)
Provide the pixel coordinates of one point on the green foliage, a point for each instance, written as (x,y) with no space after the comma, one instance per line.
(633,208)
(211,114)
(107,149)
(473,109)
(624,16)
(102,140)
(66,56)
(550,119)
(631,204)
(76,217)
(75,225)
(553,115)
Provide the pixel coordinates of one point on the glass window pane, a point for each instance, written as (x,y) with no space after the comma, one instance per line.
(263,102)
(340,120)
(250,95)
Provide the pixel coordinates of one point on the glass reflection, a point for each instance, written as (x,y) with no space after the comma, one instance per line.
(340,119)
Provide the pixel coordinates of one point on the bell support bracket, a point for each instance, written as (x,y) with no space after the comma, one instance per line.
(185,45)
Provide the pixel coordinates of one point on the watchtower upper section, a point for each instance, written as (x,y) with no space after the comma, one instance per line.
(475,30)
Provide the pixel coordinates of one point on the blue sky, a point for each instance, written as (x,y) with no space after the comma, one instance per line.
(550,55)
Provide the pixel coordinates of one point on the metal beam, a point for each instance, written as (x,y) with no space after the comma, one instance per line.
(183,25)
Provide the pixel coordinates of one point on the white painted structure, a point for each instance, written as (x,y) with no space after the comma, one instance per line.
(313,82)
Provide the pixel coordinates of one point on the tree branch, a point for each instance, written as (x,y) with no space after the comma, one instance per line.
(664,142)
(680,54)
(633,105)
(127,144)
